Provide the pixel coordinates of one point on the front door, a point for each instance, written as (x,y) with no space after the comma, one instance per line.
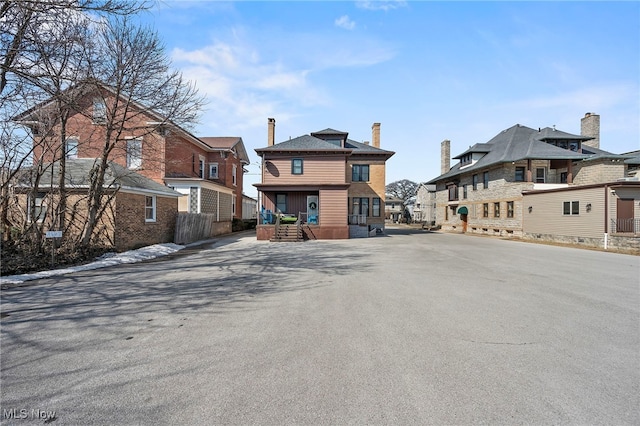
(624,220)
(312,209)
(463,218)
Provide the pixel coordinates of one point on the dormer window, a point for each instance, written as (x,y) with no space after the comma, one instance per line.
(466,159)
(336,142)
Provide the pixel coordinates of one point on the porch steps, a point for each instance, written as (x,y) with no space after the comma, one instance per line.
(288,233)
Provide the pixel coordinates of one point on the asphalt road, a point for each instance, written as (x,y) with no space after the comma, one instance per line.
(409,328)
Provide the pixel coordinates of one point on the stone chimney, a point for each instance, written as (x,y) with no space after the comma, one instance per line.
(375,135)
(590,126)
(445,156)
(271,133)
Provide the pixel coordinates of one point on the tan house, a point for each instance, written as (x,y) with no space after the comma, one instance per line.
(328,185)
(394,209)
(483,192)
(138,211)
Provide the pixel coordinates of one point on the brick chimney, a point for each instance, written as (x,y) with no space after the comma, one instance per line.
(375,135)
(271,133)
(590,126)
(445,156)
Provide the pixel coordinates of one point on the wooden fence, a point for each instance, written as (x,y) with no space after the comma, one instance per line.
(192,227)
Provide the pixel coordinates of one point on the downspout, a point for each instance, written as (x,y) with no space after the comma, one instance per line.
(606,216)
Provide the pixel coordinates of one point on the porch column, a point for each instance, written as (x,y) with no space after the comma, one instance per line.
(529,171)
(569,171)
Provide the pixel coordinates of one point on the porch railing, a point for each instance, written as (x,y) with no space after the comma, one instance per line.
(625,226)
(357,219)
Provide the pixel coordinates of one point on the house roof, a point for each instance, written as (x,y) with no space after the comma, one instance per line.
(227,143)
(78,172)
(523,143)
(87,87)
(313,143)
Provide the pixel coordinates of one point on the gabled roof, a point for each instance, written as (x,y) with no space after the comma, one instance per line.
(523,143)
(78,171)
(227,143)
(87,87)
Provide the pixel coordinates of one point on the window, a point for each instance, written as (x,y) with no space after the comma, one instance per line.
(464,191)
(563,177)
(233,205)
(234,175)
(446,213)
(71,148)
(150,209)
(571,208)
(485,179)
(453,192)
(485,210)
(509,208)
(39,206)
(540,174)
(134,153)
(475,182)
(360,206)
(336,142)
(281,203)
(296,166)
(201,167)
(496,209)
(520,174)
(213,170)
(99,111)
(360,173)
(376,207)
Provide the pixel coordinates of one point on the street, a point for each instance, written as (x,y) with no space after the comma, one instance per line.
(409,328)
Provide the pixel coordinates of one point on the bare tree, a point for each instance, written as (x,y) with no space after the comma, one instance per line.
(19,18)
(133,73)
(403,189)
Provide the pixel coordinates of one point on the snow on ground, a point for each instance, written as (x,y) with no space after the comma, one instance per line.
(103,261)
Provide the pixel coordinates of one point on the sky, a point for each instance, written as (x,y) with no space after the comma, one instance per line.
(426,70)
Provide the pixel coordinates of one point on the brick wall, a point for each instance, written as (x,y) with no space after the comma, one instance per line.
(132,231)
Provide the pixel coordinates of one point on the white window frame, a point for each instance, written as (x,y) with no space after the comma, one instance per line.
(134,153)
(150,208)
(212,167)
(71,148)
(234,175)
(233,205)
(40,206)
(99,110)
(544,174)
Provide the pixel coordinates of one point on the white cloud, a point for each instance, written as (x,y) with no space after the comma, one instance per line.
(345,22)
(246,81)
(385,5)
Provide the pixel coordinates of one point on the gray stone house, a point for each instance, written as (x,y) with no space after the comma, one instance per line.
(483,192)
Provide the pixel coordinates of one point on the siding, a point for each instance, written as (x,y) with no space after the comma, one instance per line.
(316,170)
(547,216)
(333,207)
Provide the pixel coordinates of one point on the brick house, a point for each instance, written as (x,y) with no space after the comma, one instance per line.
(483,192)
(330,185)
(139,211)
(207,171)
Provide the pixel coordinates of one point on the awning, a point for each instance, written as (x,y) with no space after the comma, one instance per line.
(463,210)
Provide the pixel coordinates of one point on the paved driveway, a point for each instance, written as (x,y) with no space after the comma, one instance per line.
(410,328)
